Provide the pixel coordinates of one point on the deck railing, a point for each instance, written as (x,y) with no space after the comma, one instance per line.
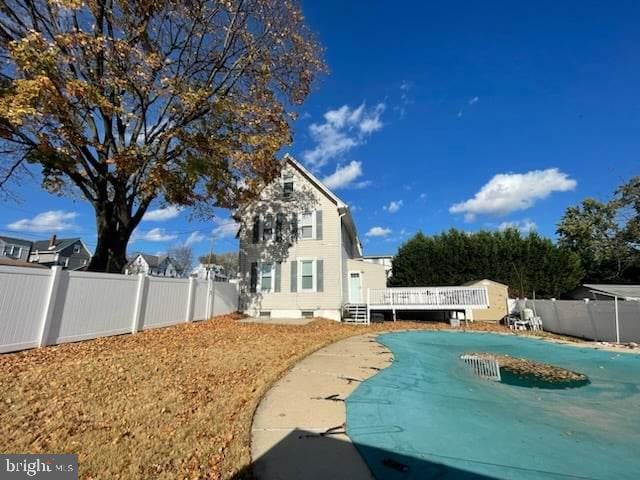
(429,297)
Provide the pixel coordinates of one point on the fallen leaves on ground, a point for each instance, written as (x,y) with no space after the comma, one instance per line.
(171,403)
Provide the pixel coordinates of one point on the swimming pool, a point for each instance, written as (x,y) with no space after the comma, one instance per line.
(427,416)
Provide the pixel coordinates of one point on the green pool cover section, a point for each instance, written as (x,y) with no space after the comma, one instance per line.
(428,415)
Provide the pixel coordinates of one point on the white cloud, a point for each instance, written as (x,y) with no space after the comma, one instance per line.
(50,221)
(378,232)
(225,227)
(161,214)
(343,129)
(510,192)
(394,206)
(344,176)
(422,196)
(194,238)
(474,100)
(524,225)
(155,235)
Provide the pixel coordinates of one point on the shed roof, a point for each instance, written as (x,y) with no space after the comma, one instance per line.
(475,282)
(628,292)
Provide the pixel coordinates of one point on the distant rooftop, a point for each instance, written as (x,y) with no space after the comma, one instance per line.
(628,292)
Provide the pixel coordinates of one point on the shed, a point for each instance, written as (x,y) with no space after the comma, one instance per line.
(498,296)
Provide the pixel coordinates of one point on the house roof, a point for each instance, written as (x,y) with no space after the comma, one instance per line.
(152,260)
(60,244)
(16,241)
(377,256)
(628,292)
(475,282)
(312,178)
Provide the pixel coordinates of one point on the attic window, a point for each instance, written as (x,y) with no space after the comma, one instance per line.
(76,249)
(287,184)
(287,187)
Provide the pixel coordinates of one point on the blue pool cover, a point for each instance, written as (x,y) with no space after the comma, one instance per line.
(428,416)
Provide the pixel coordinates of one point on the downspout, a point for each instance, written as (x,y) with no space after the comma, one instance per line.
(341,266)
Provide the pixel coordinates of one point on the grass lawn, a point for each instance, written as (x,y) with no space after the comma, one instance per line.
(170,403)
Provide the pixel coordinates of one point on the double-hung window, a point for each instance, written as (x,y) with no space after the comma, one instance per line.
(306,226)
(267,228)
(266,280)
(307,276)
(287,184)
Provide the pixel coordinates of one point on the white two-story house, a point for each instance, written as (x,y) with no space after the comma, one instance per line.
(300,254)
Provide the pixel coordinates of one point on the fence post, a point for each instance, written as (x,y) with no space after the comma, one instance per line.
(50,304)
(210,298)
(190,298)
(141,298)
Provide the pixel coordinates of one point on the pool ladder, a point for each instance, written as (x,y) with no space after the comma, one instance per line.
(483,366)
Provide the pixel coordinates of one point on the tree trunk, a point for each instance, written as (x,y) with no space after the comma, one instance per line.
(114,232)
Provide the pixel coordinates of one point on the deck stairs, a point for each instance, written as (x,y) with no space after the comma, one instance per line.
(357,313)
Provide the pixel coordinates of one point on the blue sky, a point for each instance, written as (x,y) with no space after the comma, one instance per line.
(436,115)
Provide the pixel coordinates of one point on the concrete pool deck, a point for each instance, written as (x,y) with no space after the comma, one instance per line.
(298,429)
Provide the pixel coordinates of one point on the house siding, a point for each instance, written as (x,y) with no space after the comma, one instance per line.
(25,249)
(498,297)
(288,303)
(372,275)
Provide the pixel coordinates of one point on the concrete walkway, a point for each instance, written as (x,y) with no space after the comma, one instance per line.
(298,428)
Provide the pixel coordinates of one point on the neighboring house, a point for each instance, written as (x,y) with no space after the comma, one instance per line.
(71,253)
(606,292)
(152,265)
(15,248)
(299,251)
(204,271)
(386,260)
(498,300)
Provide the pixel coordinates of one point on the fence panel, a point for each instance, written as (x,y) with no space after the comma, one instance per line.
(593,320)
(23,295)
(166,302)
(86,305)
(200,300)
(91,305)
(225,298)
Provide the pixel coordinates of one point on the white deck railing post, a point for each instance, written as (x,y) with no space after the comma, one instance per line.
(141,293)
(50,305)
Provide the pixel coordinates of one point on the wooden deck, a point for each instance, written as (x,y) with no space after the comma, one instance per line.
(455,299)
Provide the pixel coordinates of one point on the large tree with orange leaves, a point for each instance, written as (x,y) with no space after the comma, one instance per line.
(127,101)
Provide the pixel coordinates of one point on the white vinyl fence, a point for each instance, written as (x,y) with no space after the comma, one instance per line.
(593,320)
(41,307)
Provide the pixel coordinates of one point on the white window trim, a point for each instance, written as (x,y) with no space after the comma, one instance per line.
(313,226)
(314,272)
(273,277)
